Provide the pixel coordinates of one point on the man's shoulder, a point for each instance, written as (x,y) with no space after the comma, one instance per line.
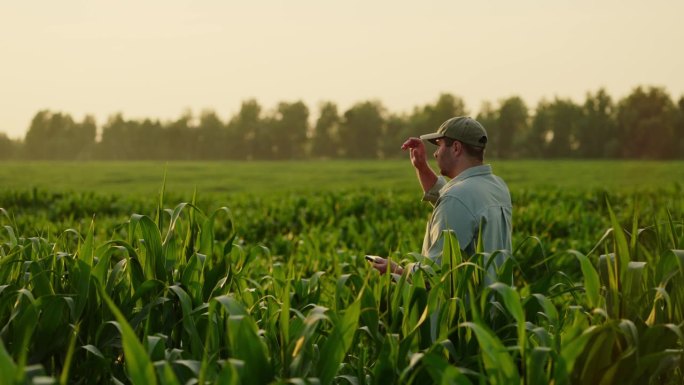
(477,189)
(470,184)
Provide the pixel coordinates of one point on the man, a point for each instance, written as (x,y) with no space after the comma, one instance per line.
(473,199)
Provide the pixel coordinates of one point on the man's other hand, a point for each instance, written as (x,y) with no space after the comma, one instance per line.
(381,265)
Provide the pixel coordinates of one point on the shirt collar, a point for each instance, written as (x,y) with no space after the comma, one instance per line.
(484,169)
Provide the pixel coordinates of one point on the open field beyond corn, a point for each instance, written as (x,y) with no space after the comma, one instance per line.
(143,179)
(253,273)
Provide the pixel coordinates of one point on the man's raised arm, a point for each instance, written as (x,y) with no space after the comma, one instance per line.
(426,176)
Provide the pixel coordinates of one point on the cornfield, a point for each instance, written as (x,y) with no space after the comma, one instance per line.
(277,291)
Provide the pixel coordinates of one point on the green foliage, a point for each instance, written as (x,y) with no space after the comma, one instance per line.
(277,291)
(647,123)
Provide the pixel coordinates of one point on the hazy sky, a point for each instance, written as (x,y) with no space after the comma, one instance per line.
(158,58)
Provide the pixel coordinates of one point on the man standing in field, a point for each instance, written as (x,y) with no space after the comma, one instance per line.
(471,200)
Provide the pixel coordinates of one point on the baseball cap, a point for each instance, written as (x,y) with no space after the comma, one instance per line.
(462,128)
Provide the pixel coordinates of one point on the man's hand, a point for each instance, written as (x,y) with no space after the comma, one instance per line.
(382,265)
(417,152)
(426,176)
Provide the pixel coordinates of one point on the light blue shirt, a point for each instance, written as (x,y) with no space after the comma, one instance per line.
(475,198)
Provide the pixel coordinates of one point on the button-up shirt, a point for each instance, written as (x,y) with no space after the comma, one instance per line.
(474,199)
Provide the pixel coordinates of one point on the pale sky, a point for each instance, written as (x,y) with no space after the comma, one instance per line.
(159,58)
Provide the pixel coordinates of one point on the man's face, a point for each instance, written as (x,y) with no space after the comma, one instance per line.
(446,156)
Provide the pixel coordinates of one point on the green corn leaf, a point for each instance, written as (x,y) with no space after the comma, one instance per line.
(514,306)
(678,257)
(550,310)
(635,230)
(537,365)
(159,217)
(211,343)
(498,364)
(307,336)
(591,280)
(8,369)
(511,300)
(148,287)
(246,345)
(64,377)
(571,352)
(189,326)
(386,368)
(596,356)
(54,316)
(167,376)
(338,343)
(99,272)
(673,231)
(140,368)
(80,271)
(229,375)
(87,250)
(284,322)
(634,288)
(93,350)
(13,238)
(41,283)
(451,258)
(207,234)
(442,372)
(175,214)
(231,305)
(25,319)
(608,272)
(622,247)
(153,261)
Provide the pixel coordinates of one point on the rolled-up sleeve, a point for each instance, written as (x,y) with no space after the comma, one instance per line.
(432,195)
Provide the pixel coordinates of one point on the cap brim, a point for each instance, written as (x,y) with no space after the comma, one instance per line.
(431,137)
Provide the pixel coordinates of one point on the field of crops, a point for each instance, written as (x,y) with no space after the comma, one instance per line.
(234,285)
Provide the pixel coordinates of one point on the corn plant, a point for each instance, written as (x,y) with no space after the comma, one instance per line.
(189,295)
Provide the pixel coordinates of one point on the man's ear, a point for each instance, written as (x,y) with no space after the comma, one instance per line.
(457,147)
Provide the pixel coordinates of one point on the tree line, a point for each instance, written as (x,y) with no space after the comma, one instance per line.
(646,124)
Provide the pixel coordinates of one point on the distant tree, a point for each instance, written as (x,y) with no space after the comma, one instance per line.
(57,136)
(148,140)
(540,132)
(8,147)
(429,117)
(392,136)
(511,123)
(564,119)
(245,135)
(234,147)
(325,141)
(646,122)
(489,118)
(360,130)
(181,138)
(597,129)
(553,133)
(82,138)
(210,136)
(447,106)
(290,128)
(679,128)
(116,142)
(37,141)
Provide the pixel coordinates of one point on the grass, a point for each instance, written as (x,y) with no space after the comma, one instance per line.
(264,178)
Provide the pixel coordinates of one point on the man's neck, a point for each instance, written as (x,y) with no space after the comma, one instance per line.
(462,166)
